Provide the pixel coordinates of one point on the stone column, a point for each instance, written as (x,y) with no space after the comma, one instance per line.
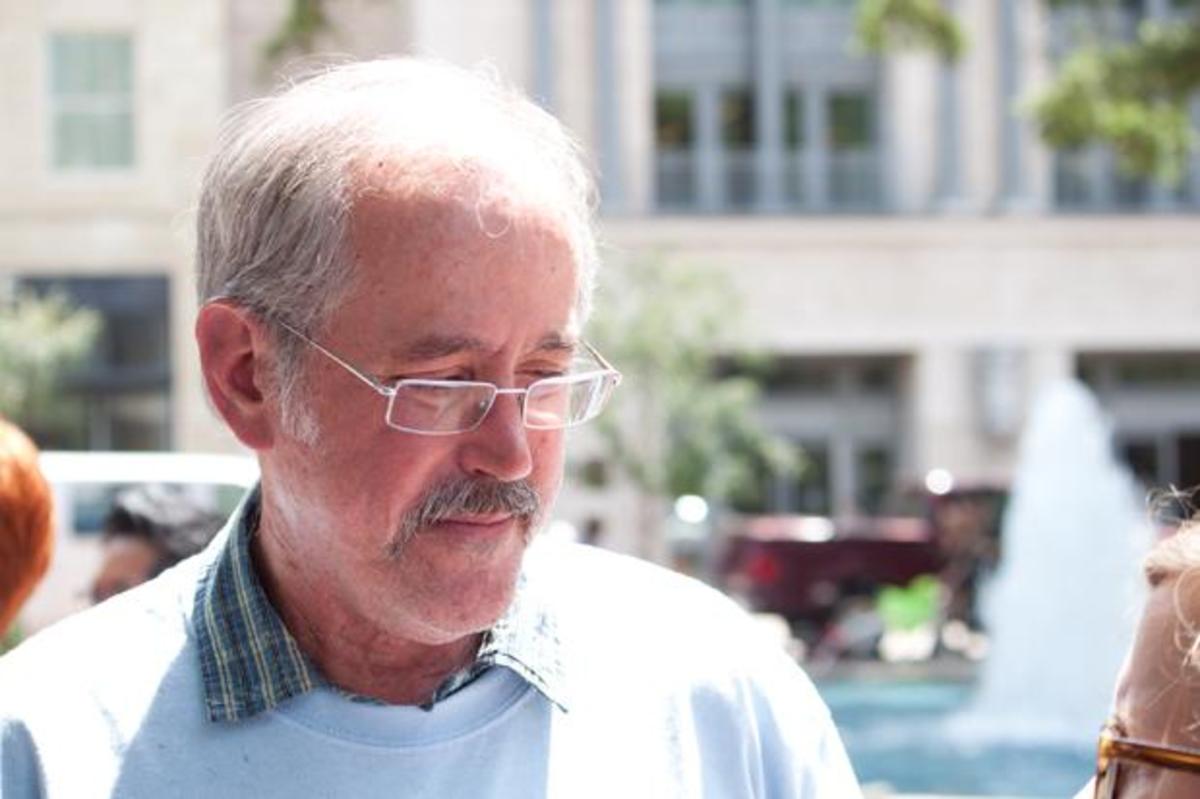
(608,107)
(1162,196)
(768,105)
(910,116)
(707,124)
(1194,173)
(543,54)
(1014,180)
(816,147)
(941,424)
(1032,69)
(574,64)
(635,82)
(949,140)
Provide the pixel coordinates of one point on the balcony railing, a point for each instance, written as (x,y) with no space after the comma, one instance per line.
(846,181)
(854,180)
(675,180)
(740,180)
(1090,180)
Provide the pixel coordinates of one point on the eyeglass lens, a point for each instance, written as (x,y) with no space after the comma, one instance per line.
(556,403)
(550,404)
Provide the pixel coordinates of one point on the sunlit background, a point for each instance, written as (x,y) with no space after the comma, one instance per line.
(848,276)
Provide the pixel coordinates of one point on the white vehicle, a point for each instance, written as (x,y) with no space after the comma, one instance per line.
(84,485)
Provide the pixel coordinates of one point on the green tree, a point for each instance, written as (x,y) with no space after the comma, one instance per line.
(1132,95)
(306,20)
(41,338)
(888,25)
(678,425)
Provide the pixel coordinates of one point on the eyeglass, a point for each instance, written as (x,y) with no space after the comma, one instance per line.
(1115,748)
(446,407)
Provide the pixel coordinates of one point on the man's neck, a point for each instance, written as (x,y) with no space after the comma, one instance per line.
(352,653)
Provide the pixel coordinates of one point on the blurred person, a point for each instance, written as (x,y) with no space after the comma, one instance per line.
(966,531)
(26,522)
(1151,745)
(395,264)
(148,530)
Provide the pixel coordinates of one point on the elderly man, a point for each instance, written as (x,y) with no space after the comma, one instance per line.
(395,263)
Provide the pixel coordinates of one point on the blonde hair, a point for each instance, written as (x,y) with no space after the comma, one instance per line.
(1174,556)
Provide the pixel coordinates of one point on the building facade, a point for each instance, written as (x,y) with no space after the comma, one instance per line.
(919,263)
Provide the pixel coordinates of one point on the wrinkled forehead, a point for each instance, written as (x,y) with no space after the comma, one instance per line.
(435,179)
(439,208)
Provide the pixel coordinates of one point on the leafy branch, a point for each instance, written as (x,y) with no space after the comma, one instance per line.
(1134,96)
(41,338)
(889,25)
(305,22)
(677,426)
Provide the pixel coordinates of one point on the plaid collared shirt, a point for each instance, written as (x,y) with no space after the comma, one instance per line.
(250,663)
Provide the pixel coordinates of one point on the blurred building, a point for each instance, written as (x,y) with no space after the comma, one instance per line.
(918,261)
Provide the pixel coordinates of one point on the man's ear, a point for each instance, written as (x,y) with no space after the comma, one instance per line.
(233,358)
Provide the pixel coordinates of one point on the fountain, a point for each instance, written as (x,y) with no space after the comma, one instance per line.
(1062,608)
(1060,614)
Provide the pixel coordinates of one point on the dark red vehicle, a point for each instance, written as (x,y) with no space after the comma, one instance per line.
(804,567)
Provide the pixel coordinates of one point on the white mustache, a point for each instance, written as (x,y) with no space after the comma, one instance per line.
(468,496)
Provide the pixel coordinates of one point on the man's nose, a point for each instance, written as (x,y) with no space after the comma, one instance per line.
(499,447)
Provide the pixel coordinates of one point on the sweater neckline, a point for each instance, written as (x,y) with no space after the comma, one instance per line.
(485,702)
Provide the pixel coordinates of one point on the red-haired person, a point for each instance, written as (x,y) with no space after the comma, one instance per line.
(26,522)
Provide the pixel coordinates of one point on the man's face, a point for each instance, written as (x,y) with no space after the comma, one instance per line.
(1158,693)
(442,292)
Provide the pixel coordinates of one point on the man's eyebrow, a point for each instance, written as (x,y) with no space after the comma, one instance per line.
(557,342)
(432,347)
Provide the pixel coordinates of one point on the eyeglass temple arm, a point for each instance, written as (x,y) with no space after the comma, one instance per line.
(600,359)
(1156,755)
(366,378)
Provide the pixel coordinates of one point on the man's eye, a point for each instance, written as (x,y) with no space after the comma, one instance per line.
(544,374)
(448,377)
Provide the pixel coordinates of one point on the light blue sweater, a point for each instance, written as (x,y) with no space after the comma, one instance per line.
(670,693)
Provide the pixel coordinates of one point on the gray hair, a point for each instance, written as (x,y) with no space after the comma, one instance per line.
(275,202)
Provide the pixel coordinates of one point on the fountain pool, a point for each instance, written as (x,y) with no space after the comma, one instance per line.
(896,735)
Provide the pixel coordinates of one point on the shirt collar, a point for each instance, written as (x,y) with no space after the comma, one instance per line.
(249,662)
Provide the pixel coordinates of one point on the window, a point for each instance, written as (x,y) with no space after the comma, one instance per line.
(875,477)
(807,491)
(675,177)
(673,120)
(91,101)
(119,398)
(1145,370)
(853,162)
(850,122)
(793,120)
(737,119)
(737,143)
(1153,402)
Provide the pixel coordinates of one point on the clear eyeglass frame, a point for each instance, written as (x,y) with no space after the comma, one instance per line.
(451,407)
